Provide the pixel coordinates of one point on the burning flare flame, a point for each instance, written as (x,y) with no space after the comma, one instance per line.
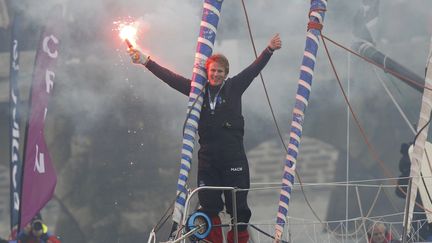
(128,32)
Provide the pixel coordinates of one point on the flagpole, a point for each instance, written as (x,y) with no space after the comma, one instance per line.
(14,131)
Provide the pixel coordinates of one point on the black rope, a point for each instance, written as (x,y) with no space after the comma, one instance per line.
(265,233)
(165,216)
(418,133)
(167,213)
(274,119)
(262,79)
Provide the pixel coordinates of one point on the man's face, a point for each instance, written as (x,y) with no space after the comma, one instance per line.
(378,234)
(216,74)
(37,228)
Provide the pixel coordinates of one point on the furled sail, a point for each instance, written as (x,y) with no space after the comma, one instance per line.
(206,39)
(316,18)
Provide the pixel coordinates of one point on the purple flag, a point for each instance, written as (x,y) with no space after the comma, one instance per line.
(39,178)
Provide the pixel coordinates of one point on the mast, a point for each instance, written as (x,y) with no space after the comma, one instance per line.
(368,50)
(206,39)
(419,144)
(316,19)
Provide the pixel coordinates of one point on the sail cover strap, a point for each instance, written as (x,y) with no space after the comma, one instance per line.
(316,15)
(206,38)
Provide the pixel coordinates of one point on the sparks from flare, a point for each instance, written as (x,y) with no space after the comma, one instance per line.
(128,32)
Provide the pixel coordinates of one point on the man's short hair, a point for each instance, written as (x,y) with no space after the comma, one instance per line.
(219,58)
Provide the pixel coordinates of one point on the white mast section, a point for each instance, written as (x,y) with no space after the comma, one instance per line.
(419,147)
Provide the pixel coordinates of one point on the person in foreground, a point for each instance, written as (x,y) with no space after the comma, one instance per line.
(221,158)
(37,232)
(378,233)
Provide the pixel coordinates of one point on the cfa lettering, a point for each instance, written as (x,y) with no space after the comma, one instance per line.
(54,53)
(16,201)
(39,161)
(49,75)
(49,83)
(14,151)
(15,65)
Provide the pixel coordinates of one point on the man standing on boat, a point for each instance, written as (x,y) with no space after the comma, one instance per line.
(221,158)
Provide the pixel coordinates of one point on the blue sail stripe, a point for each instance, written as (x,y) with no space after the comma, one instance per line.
(191,128)
(187,147)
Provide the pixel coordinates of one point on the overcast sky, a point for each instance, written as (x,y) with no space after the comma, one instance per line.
(170,30)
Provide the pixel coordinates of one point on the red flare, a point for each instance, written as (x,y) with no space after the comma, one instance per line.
(128,43)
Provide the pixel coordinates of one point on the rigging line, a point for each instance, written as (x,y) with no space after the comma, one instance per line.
(379,218)
(177,235)
(367,216)
(371,218)
(348,139)
(164,218)
(389,197)
(362,132)
(426,189)
(425,125)
(249,224)
(399,91)
(66,210)
(397,75)
(402,113)
(403,116)
(265,233)
(262,79)
(427,157)
(318,185)
(166,215)
(361,129)
(343,182)
(272,112)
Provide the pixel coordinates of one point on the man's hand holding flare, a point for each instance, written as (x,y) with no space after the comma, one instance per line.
(138,57)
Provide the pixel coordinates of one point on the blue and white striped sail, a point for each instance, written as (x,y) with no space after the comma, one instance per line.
(317,10)
(206,39)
